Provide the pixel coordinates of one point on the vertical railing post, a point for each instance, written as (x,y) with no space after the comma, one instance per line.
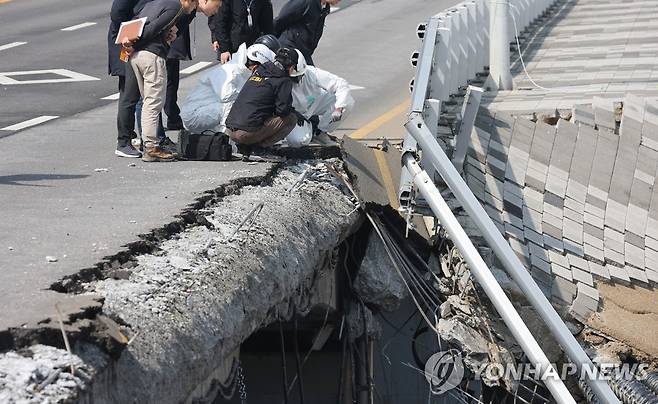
(499,74)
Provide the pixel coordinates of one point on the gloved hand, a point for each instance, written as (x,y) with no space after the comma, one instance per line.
(337,115)
(300,119)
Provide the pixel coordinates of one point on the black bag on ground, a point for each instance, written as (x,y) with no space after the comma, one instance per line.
(207,145)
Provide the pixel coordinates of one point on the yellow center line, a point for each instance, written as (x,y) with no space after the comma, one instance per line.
(379,121)
(388,180)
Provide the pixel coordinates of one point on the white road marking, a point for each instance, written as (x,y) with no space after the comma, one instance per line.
(31,122)
(68,76)
(75,27)
(195,67)
(11,45)
(112,97)
(354,88)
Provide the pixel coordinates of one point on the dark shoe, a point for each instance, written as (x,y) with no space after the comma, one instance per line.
(127,151)
(156,153)
(168,145)
(174,125)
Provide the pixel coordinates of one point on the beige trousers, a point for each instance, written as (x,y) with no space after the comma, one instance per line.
(151,72)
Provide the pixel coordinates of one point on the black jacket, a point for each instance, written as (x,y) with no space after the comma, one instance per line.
(180,49)
(229,26)
(267,93)
(300,25)
(160,15)
(126,10)
(122,10)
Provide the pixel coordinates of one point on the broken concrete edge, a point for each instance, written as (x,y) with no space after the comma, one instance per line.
(196,310)
(80,323)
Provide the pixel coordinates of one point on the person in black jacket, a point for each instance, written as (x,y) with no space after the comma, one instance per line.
(237,22)
(180,50)
(263,113)
(300,25)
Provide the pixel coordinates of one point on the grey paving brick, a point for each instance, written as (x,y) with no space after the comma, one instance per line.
(537,251)
(651,258)
(651,243)
(652,276)
(599,270)
(589,291)
(604,159)
(554,200)
(542,265)
(555,221)
(634,239)
(652,228)
(512,219)
(583,113)
(494,186)
(564,290)
(513,189)
(647,163)
(618,273)
(582,276)
(552,231)
(615,215)
(571,247)
(604,113)
(573,230)
(581,166)
(577,262)
(576,191)
(554,243)
(613,239)
(573,215)
(593,220)
(636,219)
(514,231)
(591,251)
(519,247)
(493,201)
(561,271)
(564,145)
(614,256)
(575,205)
(593,241)
(637,274)
(634,255)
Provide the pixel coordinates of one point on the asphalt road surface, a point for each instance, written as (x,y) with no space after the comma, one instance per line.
(39,36)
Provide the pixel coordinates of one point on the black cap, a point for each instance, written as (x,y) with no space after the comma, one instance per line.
(270,41)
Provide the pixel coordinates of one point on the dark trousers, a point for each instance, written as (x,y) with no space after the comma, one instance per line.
(171,99)
(128,98)
(129,107)
(274,129)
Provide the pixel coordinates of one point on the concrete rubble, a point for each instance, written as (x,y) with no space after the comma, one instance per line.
(187,306)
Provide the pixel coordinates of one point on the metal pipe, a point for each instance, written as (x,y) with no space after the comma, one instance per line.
(433,153)
(486,279)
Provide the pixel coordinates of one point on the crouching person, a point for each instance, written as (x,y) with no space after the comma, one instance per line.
(263,114)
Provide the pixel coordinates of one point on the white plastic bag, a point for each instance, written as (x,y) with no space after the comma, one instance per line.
(300,135)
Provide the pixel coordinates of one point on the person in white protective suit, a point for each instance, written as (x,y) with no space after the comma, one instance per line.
(209,103)
(322,97)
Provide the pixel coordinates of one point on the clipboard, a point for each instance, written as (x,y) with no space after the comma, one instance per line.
(130,30)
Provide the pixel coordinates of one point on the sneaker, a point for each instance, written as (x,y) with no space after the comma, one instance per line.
(174,125)
(127,151)
(155,153)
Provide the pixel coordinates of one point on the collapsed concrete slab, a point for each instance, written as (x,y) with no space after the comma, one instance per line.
(187,306)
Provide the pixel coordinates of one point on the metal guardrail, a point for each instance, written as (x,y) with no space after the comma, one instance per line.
(456,45)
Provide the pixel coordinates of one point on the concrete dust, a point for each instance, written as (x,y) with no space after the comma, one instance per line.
(630,315)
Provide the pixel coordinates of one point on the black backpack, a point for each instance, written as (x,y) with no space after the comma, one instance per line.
(207,145)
